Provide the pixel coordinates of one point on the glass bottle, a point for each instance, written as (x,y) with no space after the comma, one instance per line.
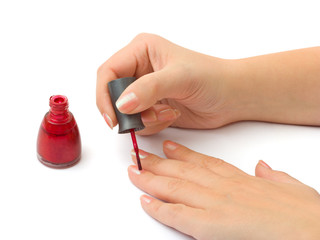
(59,143)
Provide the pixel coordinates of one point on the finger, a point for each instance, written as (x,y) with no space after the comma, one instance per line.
(157,118)
(132,60)
(161,113)
(170,82)
(177,169)
(178,216)
(152,128)
(171,190)
(263,170)
(103,100)
(216,165)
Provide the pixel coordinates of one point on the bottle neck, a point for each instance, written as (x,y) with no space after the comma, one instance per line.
(59,112)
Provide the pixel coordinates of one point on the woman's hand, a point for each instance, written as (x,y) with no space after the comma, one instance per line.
(208,198)
(182,88)
(174,87)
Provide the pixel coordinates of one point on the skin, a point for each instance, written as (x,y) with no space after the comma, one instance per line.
(192,90)
(208,198)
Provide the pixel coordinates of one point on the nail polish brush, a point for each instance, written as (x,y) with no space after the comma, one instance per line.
(127,122)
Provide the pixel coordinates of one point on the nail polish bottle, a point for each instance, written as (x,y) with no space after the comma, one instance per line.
(59,143)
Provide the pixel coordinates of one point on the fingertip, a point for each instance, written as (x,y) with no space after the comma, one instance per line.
(132,169)
(168,115)
(153,128)
(149,204)
(263,164)
(149,116)
(142,154)
(169,145)
(145,199)
(261,169)
(177,112)
(127,102)
(108,120)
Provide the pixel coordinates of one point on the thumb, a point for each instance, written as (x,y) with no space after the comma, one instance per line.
(169,82)
(264,171)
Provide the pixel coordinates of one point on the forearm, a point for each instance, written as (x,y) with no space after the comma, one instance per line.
(281,87)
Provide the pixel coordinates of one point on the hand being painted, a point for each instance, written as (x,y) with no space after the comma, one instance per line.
(208,198)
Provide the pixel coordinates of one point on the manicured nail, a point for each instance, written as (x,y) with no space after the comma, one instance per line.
(142,154)
(167,115)
(178,113)
(264,164)
(146,199)
(108,120)
(134,170)
(127,102)
(170,145)
(149,116)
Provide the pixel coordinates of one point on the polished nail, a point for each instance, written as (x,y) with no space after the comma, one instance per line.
(178,113)
(167,115)
(264,164)
(108,120)
(134,170)
(127,101)
(171,146)
(146,199)
(142,154)
(149,116)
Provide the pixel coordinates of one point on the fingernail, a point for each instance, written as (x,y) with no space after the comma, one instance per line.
(170,145)
(167,115)
(264,164)
(127,102)
(108,120)
(178,113)
(134,170)
(142,154)
(149,116)
(146,199)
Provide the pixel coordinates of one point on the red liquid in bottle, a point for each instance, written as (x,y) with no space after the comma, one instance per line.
(59,144)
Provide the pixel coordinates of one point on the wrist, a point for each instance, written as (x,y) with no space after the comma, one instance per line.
(227,101)
(280,87)
(242,97)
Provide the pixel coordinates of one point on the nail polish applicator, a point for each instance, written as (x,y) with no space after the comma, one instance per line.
(127,122)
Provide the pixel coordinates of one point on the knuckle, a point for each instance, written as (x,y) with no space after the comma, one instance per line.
(187,168)
(99,103)
(236,186)
(144,36)
(209,162)
(171,212)
(175,184)
(279,174)
(100,69)
(154,86)
(154,162)
(183,152)
(175,211)
(313,191)
(140,36)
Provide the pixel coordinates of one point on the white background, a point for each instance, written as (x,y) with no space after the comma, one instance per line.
(55,47)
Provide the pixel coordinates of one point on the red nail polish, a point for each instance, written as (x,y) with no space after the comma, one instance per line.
(59,144)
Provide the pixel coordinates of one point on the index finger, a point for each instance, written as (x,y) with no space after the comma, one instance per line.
(132,60)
